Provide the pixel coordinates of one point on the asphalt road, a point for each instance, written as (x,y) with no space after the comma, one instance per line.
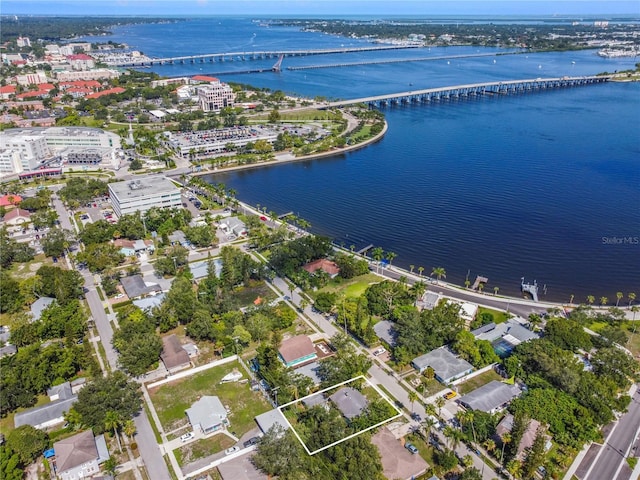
(610,463)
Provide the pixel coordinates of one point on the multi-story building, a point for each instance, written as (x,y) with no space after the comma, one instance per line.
(215,96)
(81,61)
(95,74)
(23,42)
(25,149)
(143,193)
(31,78)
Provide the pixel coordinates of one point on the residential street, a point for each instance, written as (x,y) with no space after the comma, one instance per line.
(147,445)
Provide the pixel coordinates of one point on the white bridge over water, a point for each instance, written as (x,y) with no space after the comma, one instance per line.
(143,61)
(471,90)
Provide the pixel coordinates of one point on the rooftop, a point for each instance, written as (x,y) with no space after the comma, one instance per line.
(397,461)
(45,413)
(143,186)
(173,355)
(490,396)
(207,412)
(40,305)
(134,286)
(349,401)
(271,418)
(511,327)
(385,330)
(444,363)
(327,266)
(74,451)
(296,347)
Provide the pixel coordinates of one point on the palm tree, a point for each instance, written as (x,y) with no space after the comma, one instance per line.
(411,267)
(418,289)
(377,254)
(571,299)
(413,398)
(496,290)
(110,466)
(129,428)
(604,301)
(439,272)
(112,421)
(455,436)
(506,438)
(391,256)
(631,296)
(489,445)
(420,270)
(619,296)
(467,282)
(514,467)
(352,248)
(73,418)
(439,404)
(466,416)
(427,425)
(590,299)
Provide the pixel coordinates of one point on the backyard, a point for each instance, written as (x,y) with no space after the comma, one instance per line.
(243,403)
(202,448)
(478,381)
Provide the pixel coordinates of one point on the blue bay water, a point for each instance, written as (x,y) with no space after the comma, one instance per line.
(530,185)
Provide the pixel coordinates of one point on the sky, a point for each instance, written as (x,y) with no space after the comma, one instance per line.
(319,7)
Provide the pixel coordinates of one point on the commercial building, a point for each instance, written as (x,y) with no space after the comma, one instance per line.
(25,149)
(95,74)
(215,96)
(143,193)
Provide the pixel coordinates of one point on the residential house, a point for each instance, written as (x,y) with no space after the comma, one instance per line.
(490,397)
(62,399)
(79,456)
(10,200)
(39,306)
(505,336)
(349,401)
(270,419)
(385,330)
(446,365)
(297,350)
(528,437)
(173,356)
(208,414)
(134,286)
(327,266)
(397,461)
(233,225)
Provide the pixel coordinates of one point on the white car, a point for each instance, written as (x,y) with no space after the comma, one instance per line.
(231,450)
(187,436)
(379,351)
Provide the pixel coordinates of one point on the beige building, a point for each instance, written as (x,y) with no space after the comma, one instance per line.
(215,96)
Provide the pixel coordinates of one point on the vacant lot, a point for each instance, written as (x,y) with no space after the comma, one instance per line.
(478,381)
(202,448)
(353,287)
(173,399)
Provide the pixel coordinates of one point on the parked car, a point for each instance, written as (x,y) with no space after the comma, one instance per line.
(251,441)
(231,450)
(187,436)
(450,395)
(411,447)
(379,351)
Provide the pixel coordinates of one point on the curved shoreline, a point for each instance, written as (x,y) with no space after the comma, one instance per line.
(312,156)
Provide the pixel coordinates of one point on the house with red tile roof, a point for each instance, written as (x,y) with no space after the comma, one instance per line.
(10,200)
(7,91)
(327,266)
(110,91)
(17,216)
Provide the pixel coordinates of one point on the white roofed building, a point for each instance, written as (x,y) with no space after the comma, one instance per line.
(144,192)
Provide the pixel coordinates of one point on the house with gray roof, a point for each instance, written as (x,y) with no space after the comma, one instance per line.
(446,365)
(505,336)
(173,356)
(490,397)
(208,414)
(135,287)
(349,401)
(149,303)
(233,225)
(272,418)
(314,400)
(46,415)
(79,456)
(385,330)
(39,306)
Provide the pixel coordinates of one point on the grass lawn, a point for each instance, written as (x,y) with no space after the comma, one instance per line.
(244,403)
(247,295)
(424,450)
(478,381)
(6,423)
(498,316)
(202,448)
(353,287)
